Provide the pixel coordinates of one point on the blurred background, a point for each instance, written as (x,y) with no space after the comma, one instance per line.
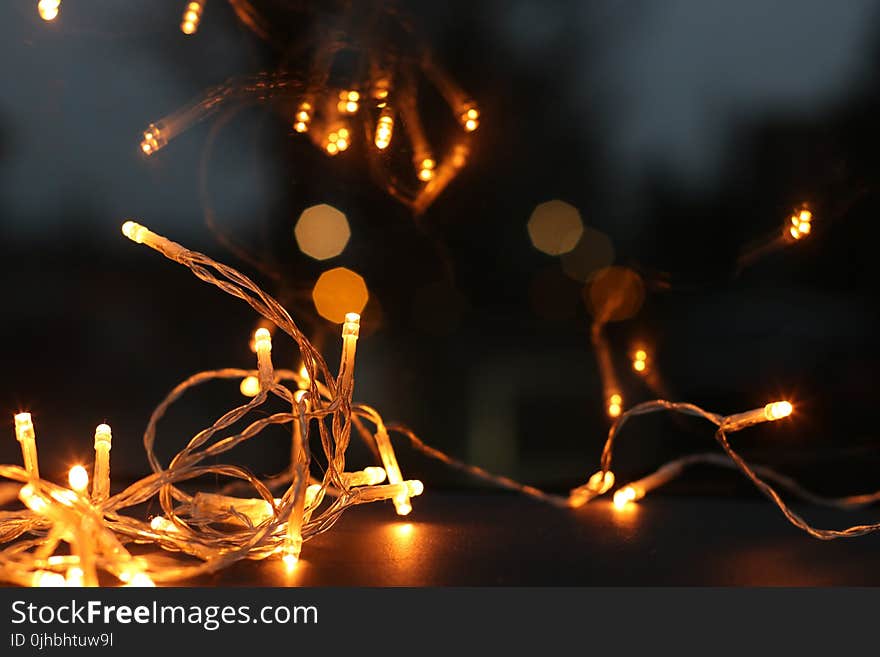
(669,138)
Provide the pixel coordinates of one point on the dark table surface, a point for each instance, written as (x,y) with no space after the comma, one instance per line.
(491,540)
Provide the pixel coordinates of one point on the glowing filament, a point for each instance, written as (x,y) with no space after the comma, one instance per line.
(303,117)
(470,118)
(101,485)
(48,9)
(78,478)
(348,102)
(24,433)
(801,224)
(615,405)
(191,17)
(384,131)
(426,169)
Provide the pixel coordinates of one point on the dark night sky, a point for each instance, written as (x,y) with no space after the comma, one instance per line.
(683,130)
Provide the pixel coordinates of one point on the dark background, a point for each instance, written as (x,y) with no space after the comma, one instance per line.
(684,130)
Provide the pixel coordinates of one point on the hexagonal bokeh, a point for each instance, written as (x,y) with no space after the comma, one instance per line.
(339,291)
(322,232)
(555,227)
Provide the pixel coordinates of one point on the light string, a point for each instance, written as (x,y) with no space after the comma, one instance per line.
(208,531)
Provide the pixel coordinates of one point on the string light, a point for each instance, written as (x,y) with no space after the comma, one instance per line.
(218,529)
(101,485)
(48,9)
(192,15)
(24,433)
(385,73)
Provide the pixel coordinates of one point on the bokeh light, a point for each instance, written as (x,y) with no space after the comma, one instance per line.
(555,227)
(322,232)
(339,291)
(614,294)
(593,252)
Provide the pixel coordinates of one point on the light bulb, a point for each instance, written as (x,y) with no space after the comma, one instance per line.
(426,169)
(778,410)
(48,9)
(141,580)
(624,496)
(27,438)
(153,139)
(78,478)
(74,576)
(46,578)
(800,224)
(470,117)
(348,102)
(615,405)
(101,484)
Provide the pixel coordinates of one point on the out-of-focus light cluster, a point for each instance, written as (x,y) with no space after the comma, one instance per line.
(192,16)
(800,224)
(378,105)
(640,361)
(322,232)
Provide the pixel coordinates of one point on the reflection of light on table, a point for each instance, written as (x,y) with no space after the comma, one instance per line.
(624,517)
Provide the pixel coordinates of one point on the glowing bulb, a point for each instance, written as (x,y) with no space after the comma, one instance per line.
(640,361)
(74,576)
(303,117)
(32,499)
(140,579)
(426,169)
(384,131)
(778,410)
(348,102)
(470,118)
(101,484)
(24,433)
(162,524)
(250,386)
(800,224)
(304,379)
(78,478)
(600,482)
(48,9)
(262,339)
(134,231)
(290,560)
(153,139)
(624,496)
(45,578)
(375,475)
(615,405)
(192,15)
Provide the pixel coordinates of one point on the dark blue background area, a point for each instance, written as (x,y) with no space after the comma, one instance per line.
(684,130)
